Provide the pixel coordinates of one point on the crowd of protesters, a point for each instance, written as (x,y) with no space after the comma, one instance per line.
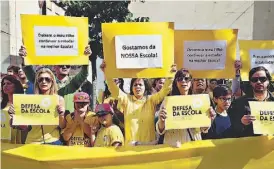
(134,118)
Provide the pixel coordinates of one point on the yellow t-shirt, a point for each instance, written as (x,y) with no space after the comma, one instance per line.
(139,114)
(35,136)
(79,138)
(107,136)
(15,134)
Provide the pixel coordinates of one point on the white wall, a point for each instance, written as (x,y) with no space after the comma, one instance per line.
(200,15)
(11,24)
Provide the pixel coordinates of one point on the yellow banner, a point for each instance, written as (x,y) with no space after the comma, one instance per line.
(238,153)
(256,53)
(55,40)
(110,33)
(5,125)
(206,53)
(35,109)
(264,113)
(191,111)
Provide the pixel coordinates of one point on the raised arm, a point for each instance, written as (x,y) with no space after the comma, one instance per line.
(158,97)
(113,88)
(30,73)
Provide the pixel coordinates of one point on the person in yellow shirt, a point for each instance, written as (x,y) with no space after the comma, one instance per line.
(45,84)
(109,134)
(139,108)
(78,123)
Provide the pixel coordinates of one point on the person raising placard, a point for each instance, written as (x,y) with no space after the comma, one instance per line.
(139,108)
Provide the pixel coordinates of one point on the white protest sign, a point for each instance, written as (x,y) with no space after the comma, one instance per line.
(262,57)
(56,41)
(205,55)
(138,51)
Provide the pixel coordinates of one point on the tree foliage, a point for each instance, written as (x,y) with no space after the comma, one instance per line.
(100,12)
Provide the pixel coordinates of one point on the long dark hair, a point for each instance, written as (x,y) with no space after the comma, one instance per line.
(147,88)
(180,73)
(18,89)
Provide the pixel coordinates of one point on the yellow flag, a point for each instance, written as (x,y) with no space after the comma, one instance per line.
(5,126)
(264,113)
(35,109)
(189,111)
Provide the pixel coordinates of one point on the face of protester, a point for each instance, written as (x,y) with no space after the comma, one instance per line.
(21,74)
(212,85)
(259,81)
(81,107)
(199,85)
(184,82)
(44,82)
(223,102)
(159,84)
(138,88)
(10,72)
(105,120)
(8,87)
(62,69)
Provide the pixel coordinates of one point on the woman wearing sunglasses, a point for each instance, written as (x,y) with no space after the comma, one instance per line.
(139,108)
(45,84)
(67,84)
(181,86)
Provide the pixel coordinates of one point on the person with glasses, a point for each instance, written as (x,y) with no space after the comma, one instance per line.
(66,84)
(139,108)
(180,86)
(239,112)
(220,127)
(45,84)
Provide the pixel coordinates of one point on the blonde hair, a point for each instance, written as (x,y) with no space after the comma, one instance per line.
(53,88)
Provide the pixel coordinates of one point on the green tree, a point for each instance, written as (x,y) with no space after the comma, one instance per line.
(100,12)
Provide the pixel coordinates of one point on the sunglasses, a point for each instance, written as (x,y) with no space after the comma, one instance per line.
(256,79)
(47,79)
(225,99)
(186,79)
(65,66)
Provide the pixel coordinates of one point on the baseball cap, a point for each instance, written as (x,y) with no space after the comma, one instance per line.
(81,97)
(103,109)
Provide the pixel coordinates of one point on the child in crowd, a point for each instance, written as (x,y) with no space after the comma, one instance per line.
(220,127)
(77,124)
(109,134)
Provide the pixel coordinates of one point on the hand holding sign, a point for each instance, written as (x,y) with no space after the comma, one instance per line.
(103,66)
(60,110)
(11,111)
(87,51)
(247,119)
(237,66)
